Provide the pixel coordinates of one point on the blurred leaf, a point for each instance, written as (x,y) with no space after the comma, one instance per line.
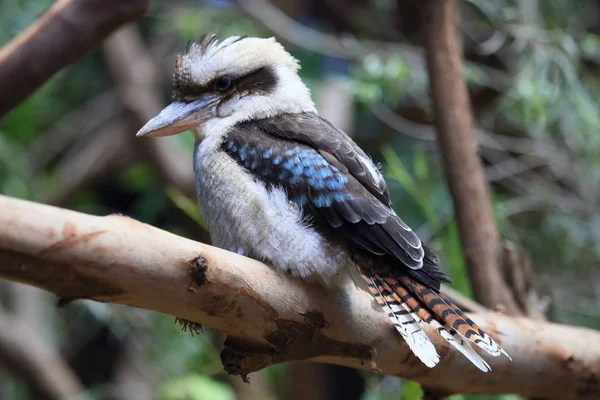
(225,21)
(149,206)
(473,74)
(138,177)
(383,387)
(186,140)
(454,259)
(86,201)
(14,175)
(396,69)
(411,391)
(403,176)
(420,164)
(186,205)
(399,171)
(486,397)
(367,92)
(590,45)
(188,24)
(180,353)
(379,80)
(373,66)
(278,376)
(195,387)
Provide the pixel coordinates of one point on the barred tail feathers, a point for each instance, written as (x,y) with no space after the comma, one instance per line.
(453,316)
(419,304)
(411,303)
(404,322)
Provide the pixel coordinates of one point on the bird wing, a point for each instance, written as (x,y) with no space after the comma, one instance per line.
(335,146)
(327,174)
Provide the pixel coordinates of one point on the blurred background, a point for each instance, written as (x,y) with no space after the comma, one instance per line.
(533,74)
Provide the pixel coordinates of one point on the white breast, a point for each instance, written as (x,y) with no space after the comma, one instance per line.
(246,217)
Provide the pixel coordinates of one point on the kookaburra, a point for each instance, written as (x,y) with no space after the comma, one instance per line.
(278,183)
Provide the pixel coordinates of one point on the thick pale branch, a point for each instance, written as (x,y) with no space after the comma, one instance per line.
(271,318)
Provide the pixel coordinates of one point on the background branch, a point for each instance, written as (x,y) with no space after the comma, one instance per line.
(65,32)
(479,236)
(271,318)
(31,358)
(135,75)
(104,152)
(348,47)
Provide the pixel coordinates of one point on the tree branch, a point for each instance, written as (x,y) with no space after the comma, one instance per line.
(278,22)
(136,78)
(271,318)
(480,240)
(31,358)
(65,32)
(105,150)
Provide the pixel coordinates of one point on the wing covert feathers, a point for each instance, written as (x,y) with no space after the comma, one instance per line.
(409,303)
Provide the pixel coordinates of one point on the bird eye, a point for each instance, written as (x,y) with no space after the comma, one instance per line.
(222,84)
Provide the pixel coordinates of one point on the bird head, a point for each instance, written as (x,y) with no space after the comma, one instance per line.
(218,84)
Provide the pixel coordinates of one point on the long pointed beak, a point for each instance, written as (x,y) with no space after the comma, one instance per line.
(178,117)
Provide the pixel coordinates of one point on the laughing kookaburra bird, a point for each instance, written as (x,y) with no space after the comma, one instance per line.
(278,183)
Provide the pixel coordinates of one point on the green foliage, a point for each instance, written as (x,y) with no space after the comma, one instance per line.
(181,352)
(189,207)
(483,397)
(13,169)
(380,80)
(590,47)
(412,391)
(190,24)
(138,177)
(17,15)
(419,184)
(195,387)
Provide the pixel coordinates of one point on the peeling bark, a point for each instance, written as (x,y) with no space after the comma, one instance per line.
(270,318)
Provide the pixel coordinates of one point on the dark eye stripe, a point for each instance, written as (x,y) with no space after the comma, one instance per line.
(260,81)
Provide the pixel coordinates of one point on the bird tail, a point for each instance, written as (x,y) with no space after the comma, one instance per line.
(409,304)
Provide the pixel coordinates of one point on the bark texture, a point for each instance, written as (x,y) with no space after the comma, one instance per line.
(64,33)
(271,318)
(479,236)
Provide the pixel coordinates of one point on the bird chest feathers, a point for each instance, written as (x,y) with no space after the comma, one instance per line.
(246,216)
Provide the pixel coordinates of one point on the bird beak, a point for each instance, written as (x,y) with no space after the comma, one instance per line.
(179,116)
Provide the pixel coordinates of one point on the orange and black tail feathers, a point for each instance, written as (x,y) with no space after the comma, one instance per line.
(453,316)
(409,304)
(403,320)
